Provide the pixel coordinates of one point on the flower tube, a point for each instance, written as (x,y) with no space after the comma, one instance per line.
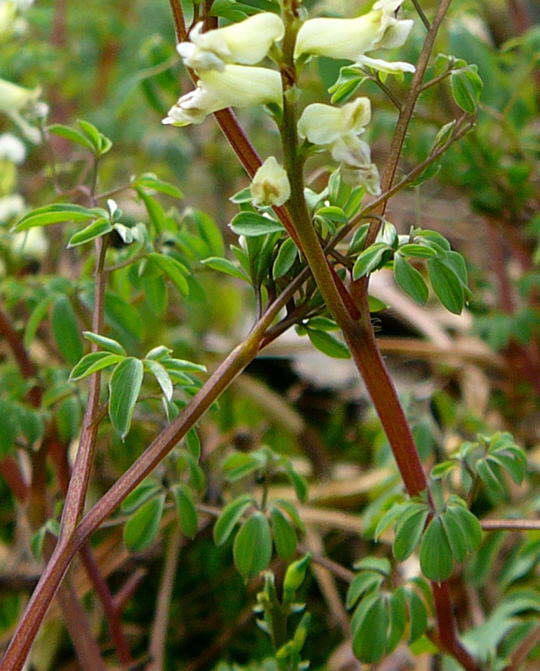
(246,43)
(234,86)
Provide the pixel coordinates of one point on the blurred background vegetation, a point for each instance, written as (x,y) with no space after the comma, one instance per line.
(115,65)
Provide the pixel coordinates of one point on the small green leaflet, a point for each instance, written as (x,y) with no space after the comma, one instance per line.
(93,362)
(65,329)
(124,388)
(410,280)
(225,266)
(369,260)
(94,230)
(285,259)
(55,214)
(447,285)
(142,527)
(185,510)
(284,535)
(435,554)
(150,181)
(252,549)
(328,344)
(162,377)
(466,86)
(251,224)
(105,343)
(174,270)
(229,517)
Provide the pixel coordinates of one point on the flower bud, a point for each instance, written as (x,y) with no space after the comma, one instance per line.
(389,67)
(351,38)
(234,86)
(246,42)
(324,124)
(270,185)
(296,574)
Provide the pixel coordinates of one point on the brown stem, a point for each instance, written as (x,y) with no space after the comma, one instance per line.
(86,648)
(10,471)
(124,594)
(78,484)
(161,619)
(510,525)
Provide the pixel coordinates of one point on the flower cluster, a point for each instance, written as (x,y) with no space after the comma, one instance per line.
(225,62)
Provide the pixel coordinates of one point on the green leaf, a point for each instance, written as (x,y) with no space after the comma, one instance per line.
(185,510)
(447,285)
(466,86)
(193,443)
(65,329)
(229,517)
(155,211)
(326,343)
(379,564)
(291,511)
(174,270)
(470,525)
(251,224)
(209,232)
(252,549)
(94,230)
(105,343)
(417,616)
(410,280)
(55,214)
(124,388)
(361,584)
(162,377)
(516,467)
(369,259)
(240,464)
(370,635)
(409,530)
(150,181)
(420,251)
(388,518)
(284,535)
(435,553)
(285,258)
(36,317)
(100,142)
(298,482)
(93,362)
(180,365)
(225,266)
(139,495)
(455,534)
(398,618)
(71,134)
(142,527)
(490,479)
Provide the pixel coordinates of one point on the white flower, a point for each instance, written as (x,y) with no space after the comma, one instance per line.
(351,38)
(390,67)
(270,185)
(324,124)
(14,97)
(235,86)
(11,206)
(11,148)
(246,42)
(337,129)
